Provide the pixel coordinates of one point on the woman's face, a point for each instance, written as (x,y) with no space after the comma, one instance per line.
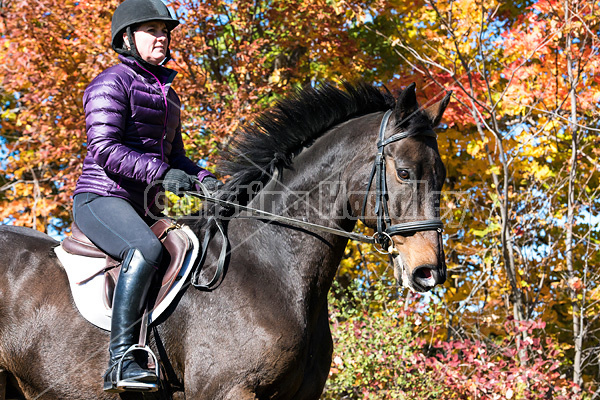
(151,41)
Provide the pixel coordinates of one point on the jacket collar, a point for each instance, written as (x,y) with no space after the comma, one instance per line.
(163,74)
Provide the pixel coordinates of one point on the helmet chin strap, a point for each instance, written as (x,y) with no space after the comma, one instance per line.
(132,47)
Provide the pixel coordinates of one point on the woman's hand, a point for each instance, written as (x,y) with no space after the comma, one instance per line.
(177,181)
(212,184)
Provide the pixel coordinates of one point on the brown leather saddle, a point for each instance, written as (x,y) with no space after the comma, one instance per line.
(174,240)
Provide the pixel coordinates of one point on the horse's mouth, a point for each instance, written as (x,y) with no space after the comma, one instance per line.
(422,279)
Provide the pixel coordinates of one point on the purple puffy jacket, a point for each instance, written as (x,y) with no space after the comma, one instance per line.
(132,118)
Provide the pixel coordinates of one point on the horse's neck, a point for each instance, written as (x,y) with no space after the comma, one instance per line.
(313,192)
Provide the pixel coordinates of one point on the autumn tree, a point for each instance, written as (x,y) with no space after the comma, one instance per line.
(520,144)
(49,55)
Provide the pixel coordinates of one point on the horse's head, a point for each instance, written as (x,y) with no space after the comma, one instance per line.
(402,203)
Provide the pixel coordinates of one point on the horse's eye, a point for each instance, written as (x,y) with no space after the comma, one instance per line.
(403,174)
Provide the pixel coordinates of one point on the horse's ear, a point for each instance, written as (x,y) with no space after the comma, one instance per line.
(435,111)
(407,102)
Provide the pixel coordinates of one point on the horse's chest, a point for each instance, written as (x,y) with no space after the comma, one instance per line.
(278,360)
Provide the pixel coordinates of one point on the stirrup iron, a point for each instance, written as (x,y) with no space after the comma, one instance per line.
(132,385)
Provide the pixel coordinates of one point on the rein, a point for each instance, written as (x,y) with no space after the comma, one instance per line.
(382,237)
(265,215)
(256,214)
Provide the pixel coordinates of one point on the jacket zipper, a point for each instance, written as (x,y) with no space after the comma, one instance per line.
(164,96)
(164,133)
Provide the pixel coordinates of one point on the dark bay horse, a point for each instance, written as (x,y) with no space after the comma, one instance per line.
(263,332)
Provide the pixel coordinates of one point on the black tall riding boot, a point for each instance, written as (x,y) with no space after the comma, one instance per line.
(129,302)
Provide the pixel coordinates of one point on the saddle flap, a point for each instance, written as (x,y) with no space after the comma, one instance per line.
(176,243)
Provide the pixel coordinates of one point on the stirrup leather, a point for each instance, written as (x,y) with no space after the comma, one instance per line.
(121,385)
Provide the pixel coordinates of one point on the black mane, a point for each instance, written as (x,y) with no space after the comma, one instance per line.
(278,135)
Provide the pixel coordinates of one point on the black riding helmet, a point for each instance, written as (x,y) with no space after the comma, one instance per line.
(131,13)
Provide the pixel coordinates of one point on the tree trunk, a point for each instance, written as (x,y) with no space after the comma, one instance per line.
(577,331)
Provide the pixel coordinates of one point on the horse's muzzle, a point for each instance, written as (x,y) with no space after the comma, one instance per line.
(425,277)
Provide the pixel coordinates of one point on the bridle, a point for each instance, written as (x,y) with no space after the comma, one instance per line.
(382,236)
(385,229)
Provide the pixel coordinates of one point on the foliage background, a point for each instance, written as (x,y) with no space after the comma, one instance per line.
(518,317)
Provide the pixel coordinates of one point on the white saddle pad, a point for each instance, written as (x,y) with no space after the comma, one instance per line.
(89,295)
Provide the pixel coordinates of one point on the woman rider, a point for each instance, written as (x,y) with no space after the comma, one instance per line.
(133,141)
